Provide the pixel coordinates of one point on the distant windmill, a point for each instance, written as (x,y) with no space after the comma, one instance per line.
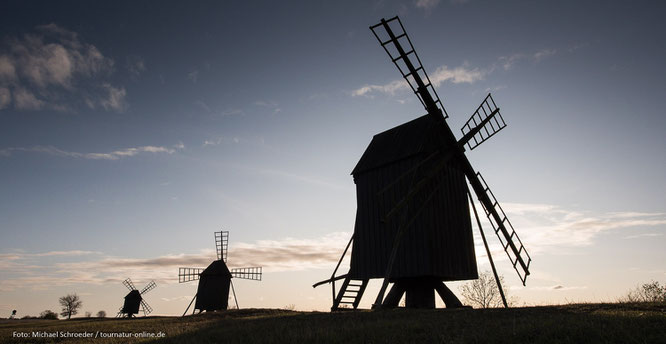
(413,226)
(134,300)
(215,280)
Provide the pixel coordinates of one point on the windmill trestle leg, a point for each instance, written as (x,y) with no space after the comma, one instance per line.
(450,299)
(420,293)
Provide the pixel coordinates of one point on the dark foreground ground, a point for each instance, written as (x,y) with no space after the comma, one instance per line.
(579,323)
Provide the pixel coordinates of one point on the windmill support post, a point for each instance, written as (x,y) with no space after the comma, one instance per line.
(188,306)
(490,257)
(234,292)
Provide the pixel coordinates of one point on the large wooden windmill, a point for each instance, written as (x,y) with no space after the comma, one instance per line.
(215,280)
(413,225)
(134,301)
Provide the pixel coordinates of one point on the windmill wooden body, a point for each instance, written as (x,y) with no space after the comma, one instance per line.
(413,225)
(134,301)
(215,280)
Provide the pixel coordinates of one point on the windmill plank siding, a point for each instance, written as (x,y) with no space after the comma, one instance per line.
(213,288)
(439,242)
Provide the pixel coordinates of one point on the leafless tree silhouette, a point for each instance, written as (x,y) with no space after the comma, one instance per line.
(70,305)
(483,292)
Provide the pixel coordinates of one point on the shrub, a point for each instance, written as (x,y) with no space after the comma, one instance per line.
(48,314)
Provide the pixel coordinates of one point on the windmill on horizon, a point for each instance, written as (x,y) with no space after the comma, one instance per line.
(134,301)
(215,280)
(413,225)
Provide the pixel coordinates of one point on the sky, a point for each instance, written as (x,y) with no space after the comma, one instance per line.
(131,131)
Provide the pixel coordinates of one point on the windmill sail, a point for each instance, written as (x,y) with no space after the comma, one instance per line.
(128,283)
(252,273)
(150,286)
(485,122)
(511,243)
(189,274)
(222,244)
(408,62)
(146,308)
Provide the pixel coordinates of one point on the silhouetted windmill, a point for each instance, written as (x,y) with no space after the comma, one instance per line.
(134,299)
(413,225)
(214,281)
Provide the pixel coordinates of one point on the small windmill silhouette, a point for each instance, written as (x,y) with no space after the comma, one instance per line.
(215,280)
(134,300)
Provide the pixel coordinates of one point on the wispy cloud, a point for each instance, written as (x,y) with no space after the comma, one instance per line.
(427,4)
(288,254)
(508,62)
(52,68)
(292,176)
(644,235)
(271,105)
(557,287)
(193,76)
(114,99)
(457,75)
(548,228)
(135,65)
(113,155)
(221,140)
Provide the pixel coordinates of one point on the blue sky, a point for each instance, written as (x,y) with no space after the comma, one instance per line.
(130,132)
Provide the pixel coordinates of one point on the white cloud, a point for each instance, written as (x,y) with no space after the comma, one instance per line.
(7,69)
(644,235)
(457,75)
(549,228)
(52,68)
(115,98)
(287,254)
(275,107)
(5,97)
(541,54)
(25,100)
(557,287)
(135,65)
(427,4)
(114,155)
(509,61)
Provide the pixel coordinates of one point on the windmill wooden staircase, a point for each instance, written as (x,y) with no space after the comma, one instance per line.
(350,294)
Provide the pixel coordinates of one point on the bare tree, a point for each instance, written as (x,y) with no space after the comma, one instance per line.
(101,314)
(70,305)
(648,292)
(483,292)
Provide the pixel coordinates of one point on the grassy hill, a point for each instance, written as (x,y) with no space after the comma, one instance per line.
(576,323)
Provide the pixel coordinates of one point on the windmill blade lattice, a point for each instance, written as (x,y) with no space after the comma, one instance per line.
(128,283)
(392,36)
(511,243)
(222,244)
(189,274)
(150,286)
(485,122)
(146,308)
(252,273)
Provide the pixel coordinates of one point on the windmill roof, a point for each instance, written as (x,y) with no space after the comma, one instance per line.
(217,268)
(408,139)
